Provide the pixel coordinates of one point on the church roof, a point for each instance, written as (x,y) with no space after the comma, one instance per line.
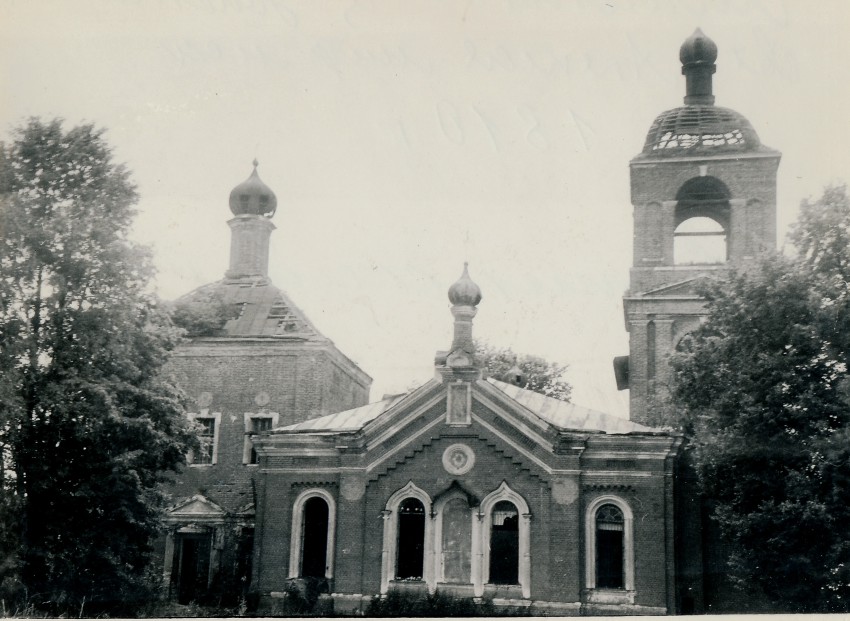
(700,130)
(565,415)
(349,420)
(259,309)
(561,414)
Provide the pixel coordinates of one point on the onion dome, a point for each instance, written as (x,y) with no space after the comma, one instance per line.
(253,197)
(698,49)
(699,127)
(464,292)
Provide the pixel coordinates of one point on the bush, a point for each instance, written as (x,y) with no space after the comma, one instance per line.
(302,594)
(436,604)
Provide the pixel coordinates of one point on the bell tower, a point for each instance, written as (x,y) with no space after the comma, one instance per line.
(704,196)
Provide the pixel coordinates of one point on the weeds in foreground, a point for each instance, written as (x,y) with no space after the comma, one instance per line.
(437,604)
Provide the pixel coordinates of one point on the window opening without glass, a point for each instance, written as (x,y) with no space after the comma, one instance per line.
(206,438)
(314,538)
(504,544)
(259,424)
(610,527)
(411,540)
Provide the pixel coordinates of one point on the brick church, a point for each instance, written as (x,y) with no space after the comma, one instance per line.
(467,485)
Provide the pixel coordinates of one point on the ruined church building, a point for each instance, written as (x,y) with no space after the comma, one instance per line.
(468,485)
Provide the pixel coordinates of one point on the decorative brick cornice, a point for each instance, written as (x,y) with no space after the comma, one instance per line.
(608,487)
(321,484)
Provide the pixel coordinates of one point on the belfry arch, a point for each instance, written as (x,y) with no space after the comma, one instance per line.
(702,222)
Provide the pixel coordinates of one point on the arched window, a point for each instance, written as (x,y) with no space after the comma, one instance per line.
(610,526)
(699,240)
(410,549)
(505,541)
(314,538)
(504,544)
(609,552)
(408,552)
(311,550)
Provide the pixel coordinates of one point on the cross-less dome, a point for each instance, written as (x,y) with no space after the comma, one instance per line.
(699,130)
(464,292)
(253,197)
(699,127)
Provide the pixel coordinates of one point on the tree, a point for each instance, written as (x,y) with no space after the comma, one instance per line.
(822,233)
(202,313)
(89,427)
(537,374)
(764,395)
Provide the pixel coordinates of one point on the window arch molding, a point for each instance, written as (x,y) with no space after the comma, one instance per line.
(296,539)
(389,554)
(504,492)
(628,541)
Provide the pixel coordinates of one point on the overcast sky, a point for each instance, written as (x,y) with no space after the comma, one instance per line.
(404,138)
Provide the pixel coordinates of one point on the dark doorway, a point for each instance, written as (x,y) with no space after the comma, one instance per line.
(192,564)
(504,544)
(609,548)
(410,552)
(244,554)
(314,541)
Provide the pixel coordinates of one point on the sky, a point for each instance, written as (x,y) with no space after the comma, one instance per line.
(404,138)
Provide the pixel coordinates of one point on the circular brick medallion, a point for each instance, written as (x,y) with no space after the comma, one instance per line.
(564,491)
(262,398)
(204,399)
(352,488)
(458,459)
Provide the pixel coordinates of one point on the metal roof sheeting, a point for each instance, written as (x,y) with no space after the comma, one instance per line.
(555,412)
(263,310)
(566,415)
(349,420)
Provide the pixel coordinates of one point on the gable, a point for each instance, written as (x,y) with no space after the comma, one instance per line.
(198,508)
(531,431)
(473,460)
(685,288)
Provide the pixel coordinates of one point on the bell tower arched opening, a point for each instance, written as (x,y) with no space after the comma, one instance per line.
(702,222)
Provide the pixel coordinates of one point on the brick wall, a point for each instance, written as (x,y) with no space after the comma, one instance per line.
(235,378)
(557,524)
(661,319)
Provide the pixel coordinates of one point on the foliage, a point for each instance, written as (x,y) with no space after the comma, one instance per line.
(822,233)
(202,314)
(437,604)
(88,426)
(538,374)
(302,595)
(763,391)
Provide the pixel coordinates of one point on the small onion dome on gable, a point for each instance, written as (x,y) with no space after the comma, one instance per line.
(464,292)
(698,49)
(253,197)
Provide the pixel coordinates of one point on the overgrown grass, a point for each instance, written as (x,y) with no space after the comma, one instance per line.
(437,604)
